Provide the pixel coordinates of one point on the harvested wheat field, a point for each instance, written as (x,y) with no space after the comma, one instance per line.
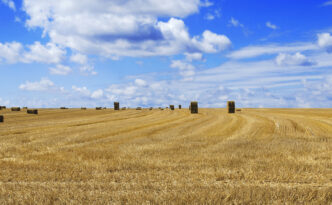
(166,157)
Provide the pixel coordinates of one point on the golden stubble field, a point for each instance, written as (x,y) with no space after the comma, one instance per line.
(166,157)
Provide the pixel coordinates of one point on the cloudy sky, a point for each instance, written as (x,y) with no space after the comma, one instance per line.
(74,53)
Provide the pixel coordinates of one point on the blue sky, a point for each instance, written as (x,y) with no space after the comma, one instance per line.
(74,53)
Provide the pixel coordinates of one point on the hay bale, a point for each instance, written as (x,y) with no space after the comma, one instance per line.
(98,108)
(124,108)
(2,107)
(171,107)
(231,106)
(238,110)
(16,109)
(194,107)
(180,107)
(25,108)
(63,108)
(150,108)
(32,111)
(138,108)
(116,106)
(104,108)
(83,108)
(1,118)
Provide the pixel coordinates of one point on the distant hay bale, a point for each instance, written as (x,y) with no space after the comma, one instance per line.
(116,106)
(83,108)
(171,107)
(180,107)
(2,107)
(32,111)
(150,108)
(104,108)
(16,109)
(166,108)
(138,108)
(25,108)
(1,118)
(231,106)
(238,110)
(123,108)
(98,108)
(194,107)
(63,108)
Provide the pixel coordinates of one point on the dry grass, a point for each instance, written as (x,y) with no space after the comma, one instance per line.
(268,156)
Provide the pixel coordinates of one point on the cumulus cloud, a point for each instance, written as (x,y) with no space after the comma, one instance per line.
(10,52)
(83,90)
(60,70)
(296,59)
(79,58)
(140,82)
(325,41)
(193,56)
(49,53)
(271,26)
(97,94)
(43,85)
(10,4)
(88,70)
(186,70)
(131,28)
(15,52)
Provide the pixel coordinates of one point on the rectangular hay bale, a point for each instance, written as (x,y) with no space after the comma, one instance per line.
(98,108)
(180,107)
(171,107)
(116,106)
(1,118)
(194,107)
(16,109)
(231,106)
(32,111)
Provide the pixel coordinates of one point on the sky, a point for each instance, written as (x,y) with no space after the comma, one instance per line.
(84,53)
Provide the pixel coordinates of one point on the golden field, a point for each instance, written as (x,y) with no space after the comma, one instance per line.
(265,156)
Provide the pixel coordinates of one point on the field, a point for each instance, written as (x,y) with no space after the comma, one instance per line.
(166,157)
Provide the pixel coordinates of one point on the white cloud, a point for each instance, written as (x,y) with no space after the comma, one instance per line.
(296,59)
(83,90)
(212,43)
(131,28)
(186,70)
(271,26)
(79,58)
(10,52)
(325,41)
(97,94)
(328,3)
(235,23)
(14,52)
(50,53)
(193,56)
(60,70)
(43,85)
(88,70)
(140,82)
(254,51)
(10,4)
(209,16)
